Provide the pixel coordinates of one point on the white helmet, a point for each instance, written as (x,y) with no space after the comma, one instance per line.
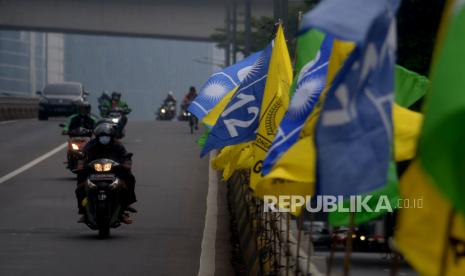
(170,93)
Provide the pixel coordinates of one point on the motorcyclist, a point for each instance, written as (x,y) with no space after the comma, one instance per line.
(187,100)
(103,103)
(170,98)
(117,103)
(104,145)
(83,119)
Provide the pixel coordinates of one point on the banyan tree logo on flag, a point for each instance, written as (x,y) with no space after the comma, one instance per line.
(239,120)
(310,84)
(219,84)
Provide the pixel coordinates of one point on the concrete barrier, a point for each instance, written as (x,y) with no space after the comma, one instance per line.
(18,107)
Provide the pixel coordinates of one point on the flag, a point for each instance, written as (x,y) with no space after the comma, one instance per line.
(294,172)
(239,120)
(219,84)
(211,118)
(354,131)
(430,235)
(233,158)
(410,86)
(310,84)
(441,147)
(274,104)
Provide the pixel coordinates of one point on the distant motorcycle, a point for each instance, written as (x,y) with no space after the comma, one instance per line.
(118,118)
(193,121)
(167,111)
(104,190)
(78,138)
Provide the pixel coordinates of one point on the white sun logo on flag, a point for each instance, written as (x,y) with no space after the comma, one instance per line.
(305,95)
(256,68)
(242,74)
(215,90)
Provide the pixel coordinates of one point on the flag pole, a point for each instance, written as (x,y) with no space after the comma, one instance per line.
(331,255)
(299,237)
(349,244)
(310,246)
(445,252)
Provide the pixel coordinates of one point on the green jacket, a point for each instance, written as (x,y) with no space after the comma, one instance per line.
(73,122)
(121,104)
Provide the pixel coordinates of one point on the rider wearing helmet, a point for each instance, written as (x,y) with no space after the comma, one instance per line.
(188,98)
(83,119)
(117,104)
(104,145)
(170,98)
(103,103)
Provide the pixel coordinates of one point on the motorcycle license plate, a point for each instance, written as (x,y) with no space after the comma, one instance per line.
(97,177)
(102,196)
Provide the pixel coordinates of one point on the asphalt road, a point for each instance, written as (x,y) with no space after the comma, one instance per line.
(38,230)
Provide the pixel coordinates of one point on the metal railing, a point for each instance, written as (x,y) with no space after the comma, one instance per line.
(270,243)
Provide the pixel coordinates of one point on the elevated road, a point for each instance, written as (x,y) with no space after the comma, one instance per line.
(38,230)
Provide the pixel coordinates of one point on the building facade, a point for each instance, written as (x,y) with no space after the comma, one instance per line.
(28,60)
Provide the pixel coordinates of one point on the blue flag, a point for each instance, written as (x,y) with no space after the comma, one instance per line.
(310,84)
(354,133)
(239,121)
(219,84)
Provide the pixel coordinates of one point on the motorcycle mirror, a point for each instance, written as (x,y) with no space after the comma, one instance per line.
(62,125)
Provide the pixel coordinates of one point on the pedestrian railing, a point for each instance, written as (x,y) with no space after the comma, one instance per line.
(270,243)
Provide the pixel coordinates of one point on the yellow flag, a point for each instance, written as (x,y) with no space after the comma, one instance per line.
(233,158)
(407,127)
(212,116)
(430,236)
(293,174)
(274,104)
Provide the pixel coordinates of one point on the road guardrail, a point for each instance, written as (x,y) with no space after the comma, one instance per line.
(18,107)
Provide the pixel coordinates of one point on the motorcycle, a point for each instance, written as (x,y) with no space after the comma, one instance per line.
(167,111)
(104,190)
(117,117)
(78,138)
(193,121)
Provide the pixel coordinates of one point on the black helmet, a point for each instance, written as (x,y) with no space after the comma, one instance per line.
(84,107)
(105,128)
(115,95)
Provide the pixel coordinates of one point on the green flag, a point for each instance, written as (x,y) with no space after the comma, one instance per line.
(410,86)
(308,46)
(442,142)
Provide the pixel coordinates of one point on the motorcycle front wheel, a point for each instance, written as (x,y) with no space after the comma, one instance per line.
(103,232)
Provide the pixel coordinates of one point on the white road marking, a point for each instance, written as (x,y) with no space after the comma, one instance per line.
(32,163)
(207,255)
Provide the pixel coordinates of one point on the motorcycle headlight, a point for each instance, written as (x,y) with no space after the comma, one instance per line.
(114,120)
(106,167)
(98,167)
(74,146)
(162,110)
